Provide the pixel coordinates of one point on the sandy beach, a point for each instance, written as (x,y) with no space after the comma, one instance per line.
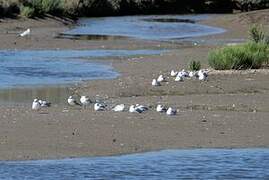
(229,110)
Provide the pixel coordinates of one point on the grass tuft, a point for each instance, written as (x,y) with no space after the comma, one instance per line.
(195,65)
(247,56)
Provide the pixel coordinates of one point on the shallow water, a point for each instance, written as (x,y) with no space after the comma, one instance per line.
(143,27)
(50,67)
(168,164)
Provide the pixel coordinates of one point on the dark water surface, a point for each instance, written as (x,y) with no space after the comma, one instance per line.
(143,27)
(168,164)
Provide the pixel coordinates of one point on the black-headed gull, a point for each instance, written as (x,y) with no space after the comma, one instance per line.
(36,105)
(160,108)
(25,33)
(85,101)
(72,101)
(44,103)
(99,107)
(160,78)
(173,73)
(179,78)
(119,108)
(155,83)
(137,108)
(170,111)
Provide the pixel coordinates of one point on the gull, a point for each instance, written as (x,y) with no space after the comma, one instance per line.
(191,74)
(119,108)
(85,101)
(155,83)
(99,107)
(25,33)
(137,108)
(141,107)
(44,103)
(160,108)
(160,78)
(202,75)
(173,73)
(36,105)
(179,78)
(184,73)
(72,102)
(171,111)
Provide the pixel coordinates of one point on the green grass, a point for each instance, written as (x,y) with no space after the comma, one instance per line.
(247,56)
(195,65)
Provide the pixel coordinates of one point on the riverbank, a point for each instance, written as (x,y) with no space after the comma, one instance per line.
(229,110)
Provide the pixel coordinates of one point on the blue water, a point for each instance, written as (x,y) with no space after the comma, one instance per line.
(145,27)
(50,67)
(168,164)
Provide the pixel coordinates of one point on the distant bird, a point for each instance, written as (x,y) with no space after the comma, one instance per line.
(184,73)
(202,75)
(85,101)
(36,105)
(137,108)
(99,107)
(160,78)
(191,74)
(173,73)
(44,103)
(155,83)
(25,33)
(160,108)
(72,102)
(119,108)
(179,78)
(171,111)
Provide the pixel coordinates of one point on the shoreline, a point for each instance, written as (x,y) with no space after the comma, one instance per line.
(228,111)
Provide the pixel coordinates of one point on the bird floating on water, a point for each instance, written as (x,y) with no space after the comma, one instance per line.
(160,108)
(171,111)
(155,83)
(36,105)
(25,33)
(72,101)
(119,108)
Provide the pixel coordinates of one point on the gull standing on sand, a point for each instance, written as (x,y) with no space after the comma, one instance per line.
(179,78)
(173,73)
(99,107)
(160,108)
(160,78)
(72,102)
(119,108)
(36,105)
(25,33)
(44,103)
(171,111)
(85,101)
(155,83)
(137,108)
(202,75)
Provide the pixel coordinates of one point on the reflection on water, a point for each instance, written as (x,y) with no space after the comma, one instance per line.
(169,164)
(143,27)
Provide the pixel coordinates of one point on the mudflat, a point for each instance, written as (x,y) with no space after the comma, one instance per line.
(229,110)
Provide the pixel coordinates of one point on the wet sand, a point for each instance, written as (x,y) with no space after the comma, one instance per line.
(229,110)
